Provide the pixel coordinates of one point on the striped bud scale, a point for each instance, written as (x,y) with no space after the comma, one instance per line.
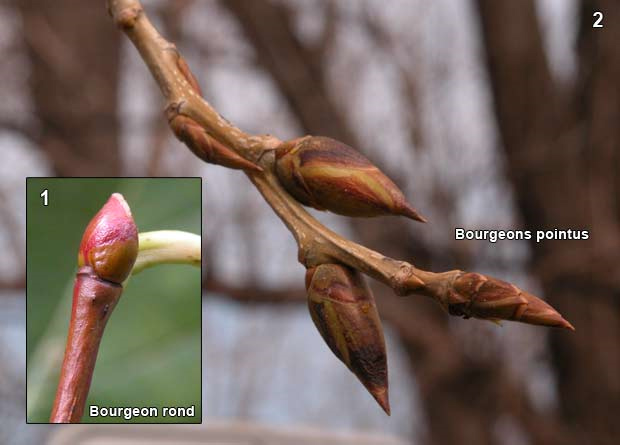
(479,296)
(343,310)
(206,147)
(323,173)
(106,257)
(110,242)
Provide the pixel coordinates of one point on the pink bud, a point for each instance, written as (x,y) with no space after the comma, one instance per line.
(110,242)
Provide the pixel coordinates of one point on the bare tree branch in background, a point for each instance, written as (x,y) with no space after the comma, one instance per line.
(407,63)
(74,77)
(296,68)
(22,129)
(563,144)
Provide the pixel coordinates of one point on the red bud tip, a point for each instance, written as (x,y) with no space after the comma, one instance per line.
(412,213)
(541,313)
(383,399)
(110,242)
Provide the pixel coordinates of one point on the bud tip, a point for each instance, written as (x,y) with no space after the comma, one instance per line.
(541,313)
(383,399)
(565,324)
(412,213)
(121,200)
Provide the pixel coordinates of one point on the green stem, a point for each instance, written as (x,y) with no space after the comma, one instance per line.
(167,247)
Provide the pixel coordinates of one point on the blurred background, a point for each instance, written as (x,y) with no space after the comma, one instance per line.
(489,114)
(150,352)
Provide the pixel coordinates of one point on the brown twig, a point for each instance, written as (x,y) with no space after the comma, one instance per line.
(93,303)
(317,244)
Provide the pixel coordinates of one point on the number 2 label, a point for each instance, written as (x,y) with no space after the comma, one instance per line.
(598,23)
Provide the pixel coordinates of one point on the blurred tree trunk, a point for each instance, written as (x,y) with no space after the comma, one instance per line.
(562,143)
(74,53)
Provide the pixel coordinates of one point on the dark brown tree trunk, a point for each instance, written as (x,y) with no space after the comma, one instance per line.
(74,54)
(563,156)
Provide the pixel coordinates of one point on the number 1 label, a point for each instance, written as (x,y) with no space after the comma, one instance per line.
(44,194)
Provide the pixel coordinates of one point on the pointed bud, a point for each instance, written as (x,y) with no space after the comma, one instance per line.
(110,242)
(328,175)
(204,146)
(344,312)
(476,295)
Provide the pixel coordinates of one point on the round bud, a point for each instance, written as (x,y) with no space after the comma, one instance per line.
(110,242)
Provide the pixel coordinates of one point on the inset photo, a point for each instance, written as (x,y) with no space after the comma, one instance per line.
(113,305)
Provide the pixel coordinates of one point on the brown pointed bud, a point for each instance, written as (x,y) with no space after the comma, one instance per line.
(110,242)
(206,147)
(344,312)
(328,175)
(476,295)
(106,256)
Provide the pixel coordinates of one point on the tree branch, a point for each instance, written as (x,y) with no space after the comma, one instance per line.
(455,290)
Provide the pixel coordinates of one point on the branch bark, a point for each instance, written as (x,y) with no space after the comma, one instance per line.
(93,303)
